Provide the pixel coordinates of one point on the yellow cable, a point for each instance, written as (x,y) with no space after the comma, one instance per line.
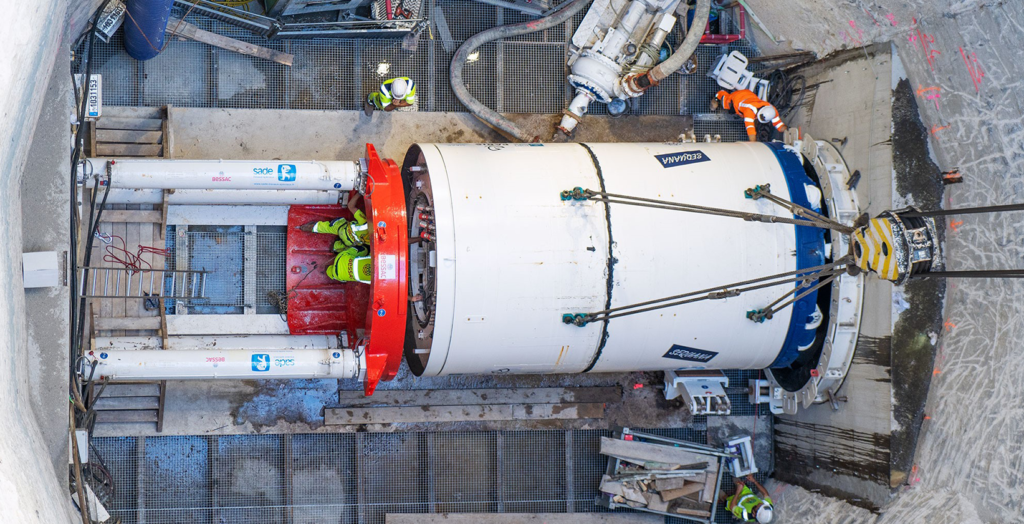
(232,3)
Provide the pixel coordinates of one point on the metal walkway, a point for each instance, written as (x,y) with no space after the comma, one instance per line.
(356,478)
(521,75)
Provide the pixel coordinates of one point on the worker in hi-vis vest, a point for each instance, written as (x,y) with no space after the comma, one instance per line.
(393,93)
(746,104)
(352,262)
(745,506)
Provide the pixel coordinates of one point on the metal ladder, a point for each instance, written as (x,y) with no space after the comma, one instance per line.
(120,282)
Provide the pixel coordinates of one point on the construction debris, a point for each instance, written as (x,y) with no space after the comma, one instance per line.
(661,475)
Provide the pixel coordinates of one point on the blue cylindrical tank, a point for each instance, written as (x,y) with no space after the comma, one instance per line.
(145,27)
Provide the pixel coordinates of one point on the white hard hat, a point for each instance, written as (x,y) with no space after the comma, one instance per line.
(766,114)
(399,88)
(764,514)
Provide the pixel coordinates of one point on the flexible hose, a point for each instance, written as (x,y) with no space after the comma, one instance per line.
(484,113)
(675,62)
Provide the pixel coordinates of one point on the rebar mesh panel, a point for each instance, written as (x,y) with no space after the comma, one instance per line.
(322,77)
(471,490)
(393,474)
(324,478)
(220,252)
(248,479)
(588,467)
(467,18)
(119,458)
(271,257)
(176,481)
(533,471)
(541,92)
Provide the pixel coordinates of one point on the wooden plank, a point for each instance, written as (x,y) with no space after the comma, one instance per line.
(100,282)
(127,323)
(201,324)
(133,233)
(163,216)
(643,452)
(179,28)
(106,403)
(461,397)
(166,113)
(92,138)
(708,493)
(128,149)
(226,325)
(670,483)
(133,112)
(133,124)
(689,488)
(114,417)
(692,512)
(203,215)
(394,415)
(130,215)
(118,304)
(161,401)
(129,136)
(156,262)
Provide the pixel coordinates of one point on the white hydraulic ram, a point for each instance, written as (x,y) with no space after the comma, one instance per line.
(143,181)
(224,364)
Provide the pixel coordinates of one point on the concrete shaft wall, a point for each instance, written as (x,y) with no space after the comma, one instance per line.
(33,34)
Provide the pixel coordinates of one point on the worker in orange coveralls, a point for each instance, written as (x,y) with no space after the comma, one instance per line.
(746,104)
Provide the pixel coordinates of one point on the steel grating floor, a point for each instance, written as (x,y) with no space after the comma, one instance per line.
(520,75)
(355,478)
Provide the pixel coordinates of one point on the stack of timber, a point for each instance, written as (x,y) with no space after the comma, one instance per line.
(660,478)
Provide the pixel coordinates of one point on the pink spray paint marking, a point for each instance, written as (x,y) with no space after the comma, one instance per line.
(892,19)
(973,69)
(873,19)
(860,34)
(925,41)
(931,93)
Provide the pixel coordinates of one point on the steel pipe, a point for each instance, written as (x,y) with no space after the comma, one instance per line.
(225,364)
(225,342)
(223,174)
(262,197)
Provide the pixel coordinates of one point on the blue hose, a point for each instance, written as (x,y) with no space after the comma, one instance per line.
(145,26)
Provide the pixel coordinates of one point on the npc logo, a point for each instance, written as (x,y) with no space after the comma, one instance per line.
(260,362)
(682,158)
(695,355)
(286,172)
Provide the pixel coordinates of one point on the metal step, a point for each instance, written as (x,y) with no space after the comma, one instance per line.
(121,282)
(132,402)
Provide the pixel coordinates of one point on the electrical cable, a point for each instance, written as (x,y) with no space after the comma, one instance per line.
(132,261)
(783,88)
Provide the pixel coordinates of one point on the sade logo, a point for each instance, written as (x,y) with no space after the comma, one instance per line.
(286,172)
